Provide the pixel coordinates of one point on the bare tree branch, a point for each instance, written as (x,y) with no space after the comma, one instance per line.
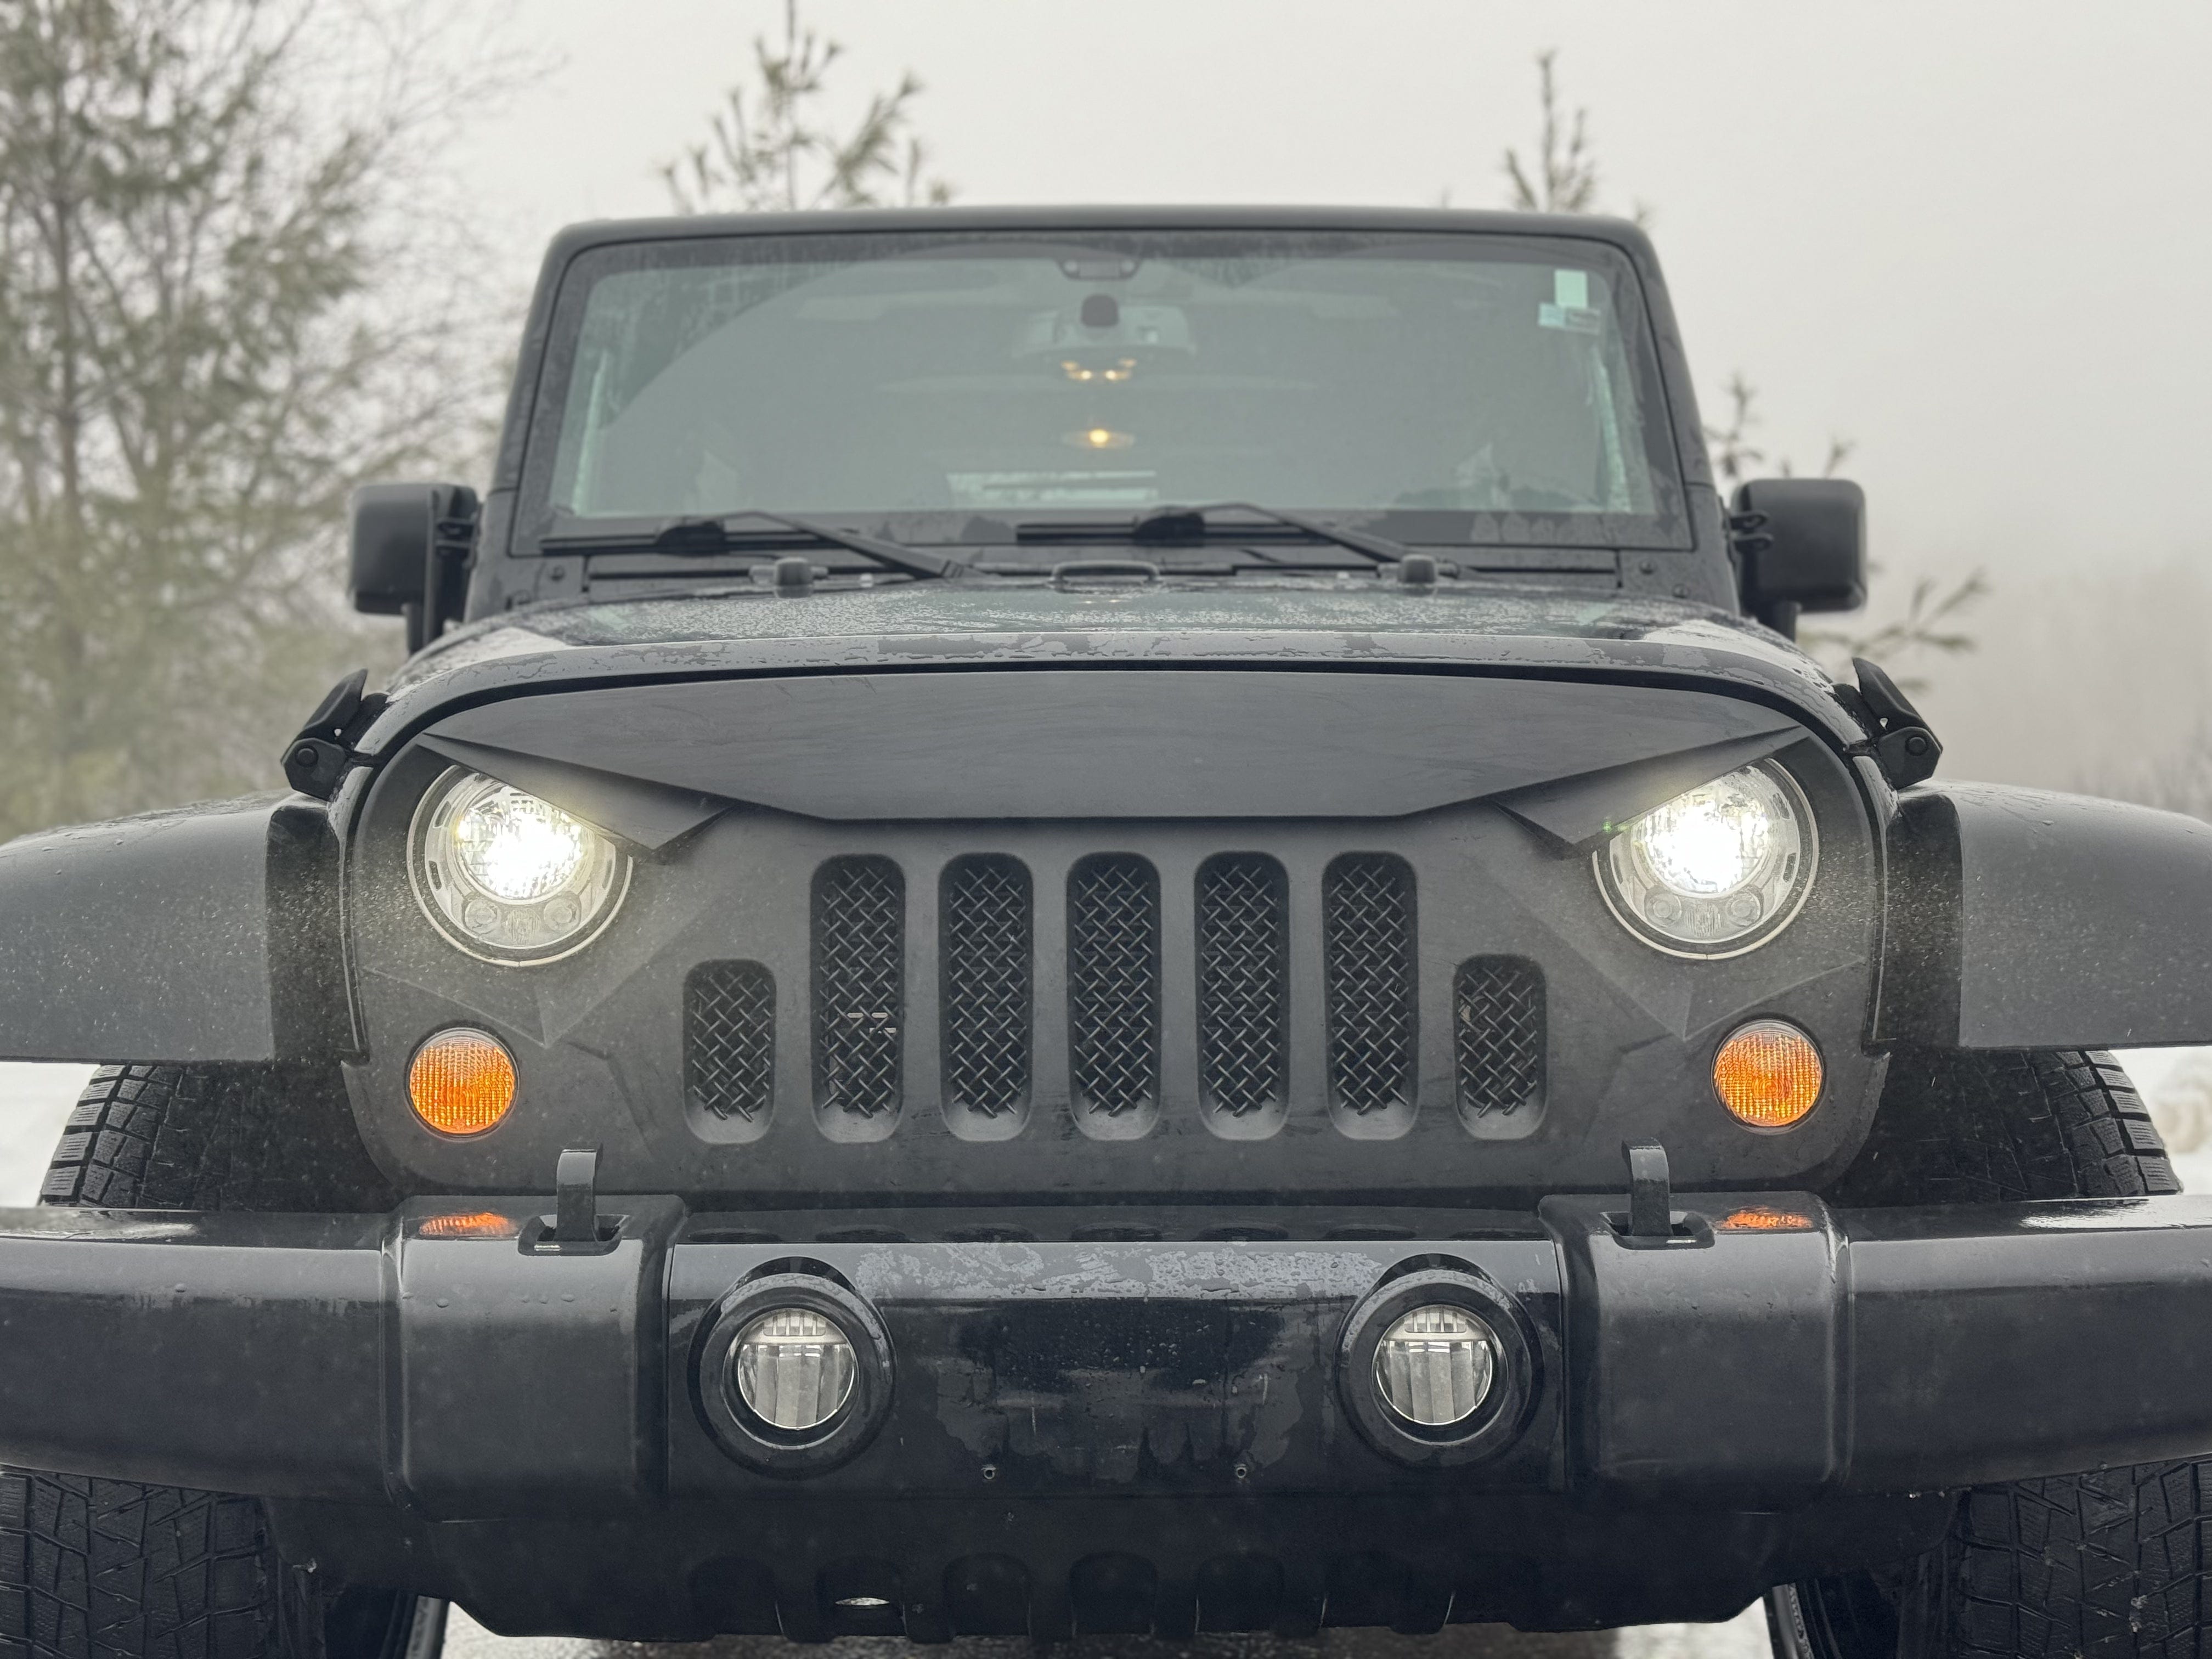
(770,148)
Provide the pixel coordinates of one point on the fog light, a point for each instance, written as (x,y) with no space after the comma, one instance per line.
(1433,1365)
(461,1082)
(793,1368)
(1768,1074)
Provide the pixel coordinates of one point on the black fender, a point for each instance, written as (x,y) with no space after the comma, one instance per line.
(2026,918)
(205,935)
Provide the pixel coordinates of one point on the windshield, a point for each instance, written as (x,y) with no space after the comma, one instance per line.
(1464,388)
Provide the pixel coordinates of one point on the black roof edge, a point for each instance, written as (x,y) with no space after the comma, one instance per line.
(606,233)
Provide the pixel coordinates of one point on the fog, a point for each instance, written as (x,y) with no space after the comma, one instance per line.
(1956,236)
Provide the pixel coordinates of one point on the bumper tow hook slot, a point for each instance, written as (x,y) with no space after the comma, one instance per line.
(1650,1190)
(577,1227)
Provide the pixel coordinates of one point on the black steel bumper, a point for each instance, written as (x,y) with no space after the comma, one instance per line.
(455,1404)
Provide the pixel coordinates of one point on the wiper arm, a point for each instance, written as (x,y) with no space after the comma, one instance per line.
(714,534)
(1169,524)
(892,554)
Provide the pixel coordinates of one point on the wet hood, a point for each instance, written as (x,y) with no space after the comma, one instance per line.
(1004,701)
(993,623)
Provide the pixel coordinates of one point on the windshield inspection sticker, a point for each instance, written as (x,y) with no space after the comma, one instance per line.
(1569,306)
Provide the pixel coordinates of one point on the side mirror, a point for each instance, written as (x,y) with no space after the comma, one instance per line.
(412,543)
(1801,545)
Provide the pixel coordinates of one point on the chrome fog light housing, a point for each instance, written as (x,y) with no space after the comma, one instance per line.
(793,1373)
(508,876)
(793,1368)
(1433,1366)
(1717,871)
(1439,1366)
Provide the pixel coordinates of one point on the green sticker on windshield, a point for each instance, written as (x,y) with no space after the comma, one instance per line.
(1569,306)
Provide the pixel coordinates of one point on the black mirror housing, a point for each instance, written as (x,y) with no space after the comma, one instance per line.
(1801,545)
(411,546)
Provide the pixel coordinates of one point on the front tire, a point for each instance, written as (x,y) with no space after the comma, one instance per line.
(2106,1565)
(113,1570)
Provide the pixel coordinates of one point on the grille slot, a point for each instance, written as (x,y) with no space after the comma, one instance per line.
(859,960)
(1367,922)
(1498,1033)
(985,930)
(729,1039)
(1244,977)
(1114,984)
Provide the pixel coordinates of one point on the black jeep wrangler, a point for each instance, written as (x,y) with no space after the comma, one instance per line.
(1085,921)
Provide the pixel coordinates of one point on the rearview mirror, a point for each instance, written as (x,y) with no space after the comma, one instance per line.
(1801,545)
(411,546)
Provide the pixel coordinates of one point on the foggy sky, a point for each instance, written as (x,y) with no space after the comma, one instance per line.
(1969,237)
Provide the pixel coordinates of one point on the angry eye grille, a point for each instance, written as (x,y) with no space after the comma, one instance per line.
(1242,987)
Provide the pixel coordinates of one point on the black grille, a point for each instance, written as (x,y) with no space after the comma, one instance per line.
(1114,983)
(729,1038)
(984,941)
(860,950)
(1243,971)
(1367,920)
(1497,1028)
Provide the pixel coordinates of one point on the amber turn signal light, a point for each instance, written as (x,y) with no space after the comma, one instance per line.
(461,1082)
(479,1224)
(1768,1074)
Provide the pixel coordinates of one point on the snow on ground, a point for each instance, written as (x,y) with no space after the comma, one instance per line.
(2178,1082)
(33,1100)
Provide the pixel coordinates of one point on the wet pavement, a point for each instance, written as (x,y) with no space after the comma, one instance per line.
(1741,1638)
(1744,1637)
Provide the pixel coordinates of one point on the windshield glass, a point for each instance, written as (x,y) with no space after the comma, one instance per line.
(1501,389)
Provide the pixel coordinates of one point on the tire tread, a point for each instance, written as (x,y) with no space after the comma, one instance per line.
(2004,1127)
(113,1570)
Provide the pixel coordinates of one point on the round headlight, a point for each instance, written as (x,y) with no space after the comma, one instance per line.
(793,1368)
(508,877)
(1718,870)
(1433,1365)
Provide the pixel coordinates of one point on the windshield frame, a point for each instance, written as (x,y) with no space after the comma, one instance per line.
(1671,527)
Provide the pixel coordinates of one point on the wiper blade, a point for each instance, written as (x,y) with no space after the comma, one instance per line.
(892,554)
(1169,524)
(716,535)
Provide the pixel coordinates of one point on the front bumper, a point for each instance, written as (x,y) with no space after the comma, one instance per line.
(426,1401)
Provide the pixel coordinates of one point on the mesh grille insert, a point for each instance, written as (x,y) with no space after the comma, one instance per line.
(729,1038)
(1498,1029)
(1243,974)
(1367,922)
(984,932)
(1114,983)
(859,952)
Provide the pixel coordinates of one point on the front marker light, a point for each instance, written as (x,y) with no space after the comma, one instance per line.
(508,877)
(1718,870)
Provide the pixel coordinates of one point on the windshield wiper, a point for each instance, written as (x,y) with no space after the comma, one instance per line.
(700,535)
(1167,525)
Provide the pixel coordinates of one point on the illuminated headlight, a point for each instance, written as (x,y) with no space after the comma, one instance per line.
(793,1368)
(1433,1365)
(1719,869)
(508,877)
